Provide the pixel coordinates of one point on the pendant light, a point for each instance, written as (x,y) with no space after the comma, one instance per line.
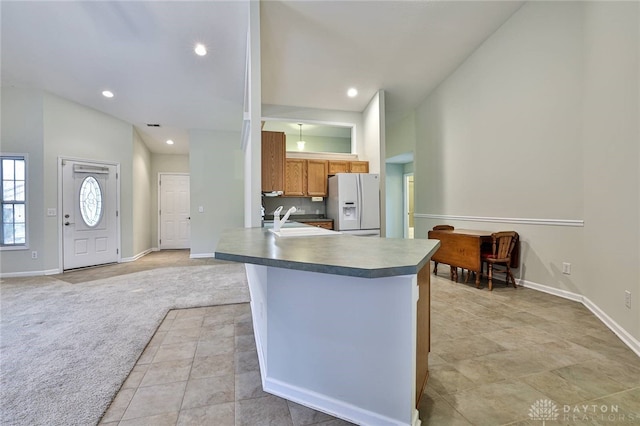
(300,141)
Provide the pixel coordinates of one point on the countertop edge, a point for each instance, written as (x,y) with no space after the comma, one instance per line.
(331,269)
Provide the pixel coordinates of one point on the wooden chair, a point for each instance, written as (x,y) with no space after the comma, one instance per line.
(435,266)
(501,249)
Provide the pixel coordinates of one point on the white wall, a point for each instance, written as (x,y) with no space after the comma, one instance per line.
(162,163)
(611,152)
(400,139)
(22,132)
(401,136)
(373,133)
(373,147)
(394,205)
(217,184)
(515,103)
(142,189)
(47,127)
(72,130)
(538,123)
(251,140)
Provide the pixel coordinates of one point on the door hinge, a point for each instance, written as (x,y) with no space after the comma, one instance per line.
(160,241)
(117,213)
(159,212)
(116,175)
(117,251)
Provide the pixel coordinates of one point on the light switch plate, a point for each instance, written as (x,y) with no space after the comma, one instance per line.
(51,212)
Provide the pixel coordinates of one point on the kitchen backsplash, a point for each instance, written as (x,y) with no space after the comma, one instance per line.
(304,205)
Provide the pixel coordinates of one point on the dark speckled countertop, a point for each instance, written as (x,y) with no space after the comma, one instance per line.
(339,254)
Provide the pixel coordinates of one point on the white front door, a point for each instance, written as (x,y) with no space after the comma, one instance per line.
(89,214)
(175,228)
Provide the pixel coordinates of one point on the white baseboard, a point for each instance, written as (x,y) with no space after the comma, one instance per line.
(29,273)
(201,255)
(331,406)
(627,339)
(551,290)
(136,257)
(415,421)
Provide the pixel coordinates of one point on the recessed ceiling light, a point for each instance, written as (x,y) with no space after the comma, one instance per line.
(352,93)
(169,142)
(107,93)
(200,49)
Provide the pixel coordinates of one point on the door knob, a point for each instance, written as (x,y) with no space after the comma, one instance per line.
(66,216)
(67,224)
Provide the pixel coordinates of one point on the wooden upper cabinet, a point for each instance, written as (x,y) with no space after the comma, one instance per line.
(273,161)
(338,166)
(317,178)
(296,182)
(359,166)
(305,178)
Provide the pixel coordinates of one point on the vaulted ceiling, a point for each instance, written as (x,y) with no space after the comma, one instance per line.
(312,51)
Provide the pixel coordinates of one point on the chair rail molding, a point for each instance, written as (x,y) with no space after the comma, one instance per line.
(518,220)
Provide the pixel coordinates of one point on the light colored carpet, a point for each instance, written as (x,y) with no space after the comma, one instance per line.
(66,349)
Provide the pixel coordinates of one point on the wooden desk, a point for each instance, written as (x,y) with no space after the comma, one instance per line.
(461,248)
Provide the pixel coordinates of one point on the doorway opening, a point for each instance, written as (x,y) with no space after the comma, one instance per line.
(408,206)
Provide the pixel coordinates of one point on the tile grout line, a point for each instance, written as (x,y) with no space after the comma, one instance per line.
(186,386)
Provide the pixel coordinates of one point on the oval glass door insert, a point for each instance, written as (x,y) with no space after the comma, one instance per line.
(90,201)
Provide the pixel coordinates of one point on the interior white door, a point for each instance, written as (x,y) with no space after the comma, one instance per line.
(89,214)
(175,227)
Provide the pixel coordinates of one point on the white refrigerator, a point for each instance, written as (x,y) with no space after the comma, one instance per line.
(354,203)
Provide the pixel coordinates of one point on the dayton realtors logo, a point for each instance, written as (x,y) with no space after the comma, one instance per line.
(546,410)
(598,413)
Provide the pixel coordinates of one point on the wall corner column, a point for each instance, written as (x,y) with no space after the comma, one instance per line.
(252,117)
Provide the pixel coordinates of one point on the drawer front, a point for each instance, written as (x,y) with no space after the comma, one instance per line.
(323,224)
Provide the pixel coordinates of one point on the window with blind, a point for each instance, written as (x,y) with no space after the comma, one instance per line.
(13,169)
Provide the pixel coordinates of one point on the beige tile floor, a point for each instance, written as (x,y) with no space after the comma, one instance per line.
(494,356)
(201,368)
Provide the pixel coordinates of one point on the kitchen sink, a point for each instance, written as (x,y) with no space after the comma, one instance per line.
(304,231)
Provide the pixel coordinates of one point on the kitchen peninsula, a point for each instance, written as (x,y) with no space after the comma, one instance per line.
(341,322)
